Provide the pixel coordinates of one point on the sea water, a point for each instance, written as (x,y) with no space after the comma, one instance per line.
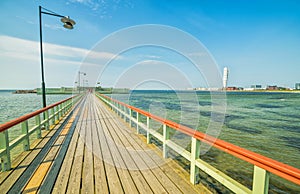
(15,105)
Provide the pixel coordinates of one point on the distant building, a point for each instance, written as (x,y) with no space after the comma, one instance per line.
(272,87)
(256,87)
(297,86)
(225,77)
(231,88)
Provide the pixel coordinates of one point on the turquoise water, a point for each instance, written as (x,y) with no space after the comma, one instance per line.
(266,123)
(15,105)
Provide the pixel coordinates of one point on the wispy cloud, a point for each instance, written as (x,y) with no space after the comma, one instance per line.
(103,8)
(25,19)
(20,58)
(54,27)
(26,49)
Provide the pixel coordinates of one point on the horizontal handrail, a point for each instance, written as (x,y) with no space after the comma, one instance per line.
(18,120)
(51,115)
(280,169)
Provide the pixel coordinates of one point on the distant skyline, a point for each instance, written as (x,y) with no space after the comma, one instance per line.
(259,41)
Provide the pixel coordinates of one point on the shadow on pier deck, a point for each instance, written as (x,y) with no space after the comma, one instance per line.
(92,150)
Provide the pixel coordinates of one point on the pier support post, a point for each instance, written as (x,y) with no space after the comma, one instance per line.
(137,123)
(52,115)
(260,181)
(166,134)
(46,119)
(130,116)
(125,113)
(64,108)
(56,113)
(4,144)
(38,124)
(148,132)
(26,138)
(60,111)
(195,152)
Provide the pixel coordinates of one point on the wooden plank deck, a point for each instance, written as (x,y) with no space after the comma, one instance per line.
(95,152)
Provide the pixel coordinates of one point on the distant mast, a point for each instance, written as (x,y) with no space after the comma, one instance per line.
(225,77)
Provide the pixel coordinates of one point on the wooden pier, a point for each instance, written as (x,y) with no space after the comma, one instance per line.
(92,143)
(92,150)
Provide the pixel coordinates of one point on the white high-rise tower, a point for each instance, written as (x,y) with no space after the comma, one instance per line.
(225,77)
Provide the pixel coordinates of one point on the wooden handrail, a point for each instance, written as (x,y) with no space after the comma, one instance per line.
(18,120)
(280,169)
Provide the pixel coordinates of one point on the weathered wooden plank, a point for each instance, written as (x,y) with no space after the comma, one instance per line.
(136,175)
(17,172)
(62,180)
(40,174)
(101,184)
(125,177)
(19,159)
(114,182)
(134,167)
(88,165)
(166,175)
(76,171)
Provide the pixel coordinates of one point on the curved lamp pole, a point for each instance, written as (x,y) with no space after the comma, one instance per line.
(68,23)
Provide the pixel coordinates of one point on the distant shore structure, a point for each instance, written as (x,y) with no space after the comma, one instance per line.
(225,77)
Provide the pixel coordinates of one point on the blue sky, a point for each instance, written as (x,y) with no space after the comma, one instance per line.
(259,41)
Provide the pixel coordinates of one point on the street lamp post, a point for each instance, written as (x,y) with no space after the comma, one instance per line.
(80,72)
(68,23)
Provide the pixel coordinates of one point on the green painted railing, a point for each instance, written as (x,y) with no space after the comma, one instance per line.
(263,166)
(44,118)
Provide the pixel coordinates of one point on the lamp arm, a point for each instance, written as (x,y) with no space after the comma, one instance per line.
(53,14)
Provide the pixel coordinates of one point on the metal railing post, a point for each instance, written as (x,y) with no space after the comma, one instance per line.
(137,123)
(26,144)
(148,132)
(38,123)
(130,116)
(63,108)
(260,181)
(166,135)
(124,113)
(56,113)
(52,115)
(4,144)
(60,111)
(46,119)
(195,152)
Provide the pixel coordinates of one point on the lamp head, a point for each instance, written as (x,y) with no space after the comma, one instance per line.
(68,22)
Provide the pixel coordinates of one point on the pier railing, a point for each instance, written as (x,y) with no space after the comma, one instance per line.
(263,166)
(44,118)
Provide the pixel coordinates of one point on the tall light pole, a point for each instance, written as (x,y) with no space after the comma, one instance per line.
(80,72)
(68,23)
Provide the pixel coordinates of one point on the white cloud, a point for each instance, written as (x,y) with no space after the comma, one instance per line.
(20,58)
(26,49)
(54,27)
(25,19)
